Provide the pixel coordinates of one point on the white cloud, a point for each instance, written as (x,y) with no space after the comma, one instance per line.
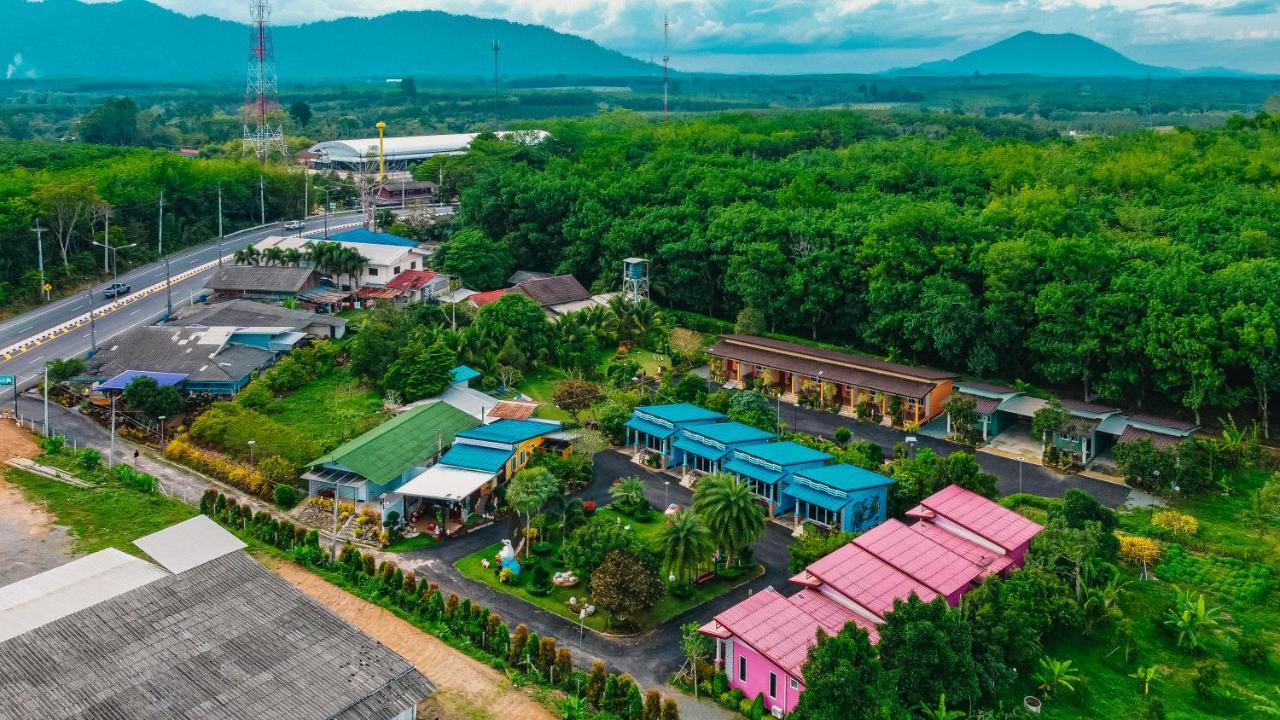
(852,34)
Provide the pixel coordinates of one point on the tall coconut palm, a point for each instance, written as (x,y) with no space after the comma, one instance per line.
(686,544)
(730,510)
(291,257)
(246,256)
(273,256)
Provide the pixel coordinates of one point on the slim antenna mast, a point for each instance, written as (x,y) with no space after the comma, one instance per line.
(497,118)
(666,59)
(261,96)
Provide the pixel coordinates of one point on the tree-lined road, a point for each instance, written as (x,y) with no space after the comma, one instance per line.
(142,311)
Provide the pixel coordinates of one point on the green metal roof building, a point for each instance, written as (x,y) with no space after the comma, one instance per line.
(387,456)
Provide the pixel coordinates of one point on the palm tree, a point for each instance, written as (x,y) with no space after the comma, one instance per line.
(247,256)
(1056,674)
(941,712)
(273,256)
(685,543)
(1103,584)
(291,257)
(628,493)
(731,512)
(528,491)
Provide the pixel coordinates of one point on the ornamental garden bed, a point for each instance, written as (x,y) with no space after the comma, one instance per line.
(556,600)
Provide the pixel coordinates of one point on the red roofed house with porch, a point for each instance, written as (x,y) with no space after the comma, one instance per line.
(959,538)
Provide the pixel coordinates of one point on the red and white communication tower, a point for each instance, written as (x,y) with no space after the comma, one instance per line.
(261,96)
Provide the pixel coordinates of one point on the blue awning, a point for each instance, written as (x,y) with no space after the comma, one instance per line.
(661,432)
(753,471)
(121,381)
(696,448)
(815,497)
(462,373)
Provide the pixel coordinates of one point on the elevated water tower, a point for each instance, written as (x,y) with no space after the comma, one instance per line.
(635,279)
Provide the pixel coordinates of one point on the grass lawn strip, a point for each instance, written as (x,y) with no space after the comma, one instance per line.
(331,409)
(556,601)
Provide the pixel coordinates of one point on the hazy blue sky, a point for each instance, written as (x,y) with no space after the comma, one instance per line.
(853,35)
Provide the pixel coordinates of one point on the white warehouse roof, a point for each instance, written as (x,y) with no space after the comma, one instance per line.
(414,147)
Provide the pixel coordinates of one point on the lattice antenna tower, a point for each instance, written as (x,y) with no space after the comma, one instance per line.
(261,95)
(666,61)
(497,114)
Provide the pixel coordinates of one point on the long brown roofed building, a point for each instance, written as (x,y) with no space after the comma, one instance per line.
(791,368)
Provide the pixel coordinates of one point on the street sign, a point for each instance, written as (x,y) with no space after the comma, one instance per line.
(47,287)
(7,380)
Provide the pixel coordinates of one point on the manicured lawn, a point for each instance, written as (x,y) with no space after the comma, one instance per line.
(540,385)
(102,517)
(331,409)
(414,543)
(1108,689)
(556,601)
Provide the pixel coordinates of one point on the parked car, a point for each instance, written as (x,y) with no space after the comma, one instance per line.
(292,224)
(116,290)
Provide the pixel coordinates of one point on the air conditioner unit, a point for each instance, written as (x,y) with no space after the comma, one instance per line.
(776,711)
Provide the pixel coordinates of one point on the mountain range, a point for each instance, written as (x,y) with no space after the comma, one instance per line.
(137,40)
(1061,55)
(134,39)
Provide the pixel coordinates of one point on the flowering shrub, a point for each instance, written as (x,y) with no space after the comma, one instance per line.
(1138,549)
(181,450)
(1176,522)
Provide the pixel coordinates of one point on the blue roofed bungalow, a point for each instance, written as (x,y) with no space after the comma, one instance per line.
(653,428)
(504,446)
(840,497)
(767,468)
(704,448)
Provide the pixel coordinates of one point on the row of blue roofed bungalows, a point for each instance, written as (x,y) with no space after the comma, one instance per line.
(788,478)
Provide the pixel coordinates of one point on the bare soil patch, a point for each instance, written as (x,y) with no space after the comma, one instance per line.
(468,689)
(30,541)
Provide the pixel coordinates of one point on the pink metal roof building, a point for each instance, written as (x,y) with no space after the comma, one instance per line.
(959,539)
(967,513)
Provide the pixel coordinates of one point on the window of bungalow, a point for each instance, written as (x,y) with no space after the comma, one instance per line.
(821,515)
(763,489)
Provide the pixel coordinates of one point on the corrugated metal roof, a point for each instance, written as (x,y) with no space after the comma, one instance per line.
(811,366)
(260,278)
(730,432)
(986,519)
(445,482)
(753,471)
(513,410)
(779,629)
(815,497)
(1180,426)
(691,445)
(121,381)
(226,640)
(475,457)
(67,589)
(984,405)
(1160,440)
(785,452)
(462,373)
(982,557)
(554,290)
(364,235)
(680,412)
(846,477)
(840,357)
(178,548)
(511,431)
(650,428)
(866,579)
(385,452)
(919,556)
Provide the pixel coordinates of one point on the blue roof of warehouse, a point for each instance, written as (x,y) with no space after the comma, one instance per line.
(510,431)
(363,235)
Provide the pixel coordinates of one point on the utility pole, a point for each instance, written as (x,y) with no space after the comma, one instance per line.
(93,333)
(168,291)
(306,199)
(219,224)
(111,457)
(666,59)
(160,226)
(106,238)
(46,399)
(39,231)
(262,200)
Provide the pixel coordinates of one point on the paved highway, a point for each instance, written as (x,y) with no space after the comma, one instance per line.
(28,364)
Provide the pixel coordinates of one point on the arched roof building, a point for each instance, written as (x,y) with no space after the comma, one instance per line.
(401,151)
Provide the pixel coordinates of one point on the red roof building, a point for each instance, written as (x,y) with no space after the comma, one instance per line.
(959,538)
(412,279)
(481,299)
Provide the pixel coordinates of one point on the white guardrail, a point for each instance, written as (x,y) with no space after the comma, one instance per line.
(75,323)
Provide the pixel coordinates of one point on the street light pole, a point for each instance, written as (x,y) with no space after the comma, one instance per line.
(251,443)
(162,419)
(39,231)
(219,225)
(46,399)
(1019,474)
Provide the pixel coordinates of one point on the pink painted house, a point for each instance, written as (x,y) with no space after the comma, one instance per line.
(959,538)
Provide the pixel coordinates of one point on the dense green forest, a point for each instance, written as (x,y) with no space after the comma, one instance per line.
(1142,267)
(70,188)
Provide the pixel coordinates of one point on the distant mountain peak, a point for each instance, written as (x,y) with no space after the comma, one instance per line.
(69,38)
(1048,54)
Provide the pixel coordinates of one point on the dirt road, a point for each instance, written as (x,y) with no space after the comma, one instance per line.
(468,690)
(30,541)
